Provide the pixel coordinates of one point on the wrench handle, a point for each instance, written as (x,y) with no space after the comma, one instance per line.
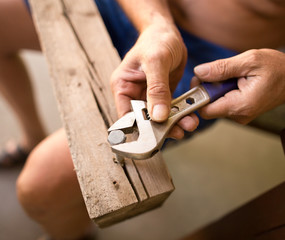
(219,89)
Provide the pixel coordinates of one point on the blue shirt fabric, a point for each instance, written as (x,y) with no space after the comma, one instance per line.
(124,36)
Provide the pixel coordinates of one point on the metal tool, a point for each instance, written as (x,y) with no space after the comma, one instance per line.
(152,134)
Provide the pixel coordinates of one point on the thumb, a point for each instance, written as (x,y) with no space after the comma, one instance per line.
(224,69)
(158,91)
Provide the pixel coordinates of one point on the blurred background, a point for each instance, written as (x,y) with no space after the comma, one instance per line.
(215,172)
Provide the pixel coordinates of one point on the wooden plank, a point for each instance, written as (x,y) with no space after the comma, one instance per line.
(104,59)
(70,78)
(81,59)
(258,220)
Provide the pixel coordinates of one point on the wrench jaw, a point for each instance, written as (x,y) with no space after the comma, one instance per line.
(135,122)
(139,149)
(125,123)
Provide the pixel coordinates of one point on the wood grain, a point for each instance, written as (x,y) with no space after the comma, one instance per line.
(81,59)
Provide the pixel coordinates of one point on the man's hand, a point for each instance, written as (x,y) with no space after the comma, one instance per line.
(150,71)
(261,83)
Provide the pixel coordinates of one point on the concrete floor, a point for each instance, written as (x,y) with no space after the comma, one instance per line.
(214,172)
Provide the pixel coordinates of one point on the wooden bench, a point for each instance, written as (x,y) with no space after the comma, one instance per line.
(263,218)
(272,121)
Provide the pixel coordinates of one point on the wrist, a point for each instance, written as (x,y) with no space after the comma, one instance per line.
(144,13)
(156,19)
(161,29)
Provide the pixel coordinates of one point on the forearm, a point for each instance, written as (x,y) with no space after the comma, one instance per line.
(143,13)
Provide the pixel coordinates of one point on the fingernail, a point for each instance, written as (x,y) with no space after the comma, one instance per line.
(202,70)
(160,112)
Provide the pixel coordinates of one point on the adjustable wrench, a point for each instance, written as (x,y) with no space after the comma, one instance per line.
(151,135)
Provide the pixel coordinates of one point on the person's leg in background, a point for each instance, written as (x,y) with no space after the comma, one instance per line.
(17,32)
(49,191)
(47,187)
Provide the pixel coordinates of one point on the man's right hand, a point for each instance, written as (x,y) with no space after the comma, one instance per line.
(151,71)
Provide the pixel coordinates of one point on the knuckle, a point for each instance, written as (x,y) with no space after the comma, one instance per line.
(152,57)
(114,80)
(118,85)
(254,55)
(160,56)
(220,67)
(158,90)
(115,75)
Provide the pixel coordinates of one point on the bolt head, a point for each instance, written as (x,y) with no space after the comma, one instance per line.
(116,137)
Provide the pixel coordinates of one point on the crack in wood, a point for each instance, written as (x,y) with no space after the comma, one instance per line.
(140,177)
(104,116)
(90,65)
(92,71)
(131,182)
